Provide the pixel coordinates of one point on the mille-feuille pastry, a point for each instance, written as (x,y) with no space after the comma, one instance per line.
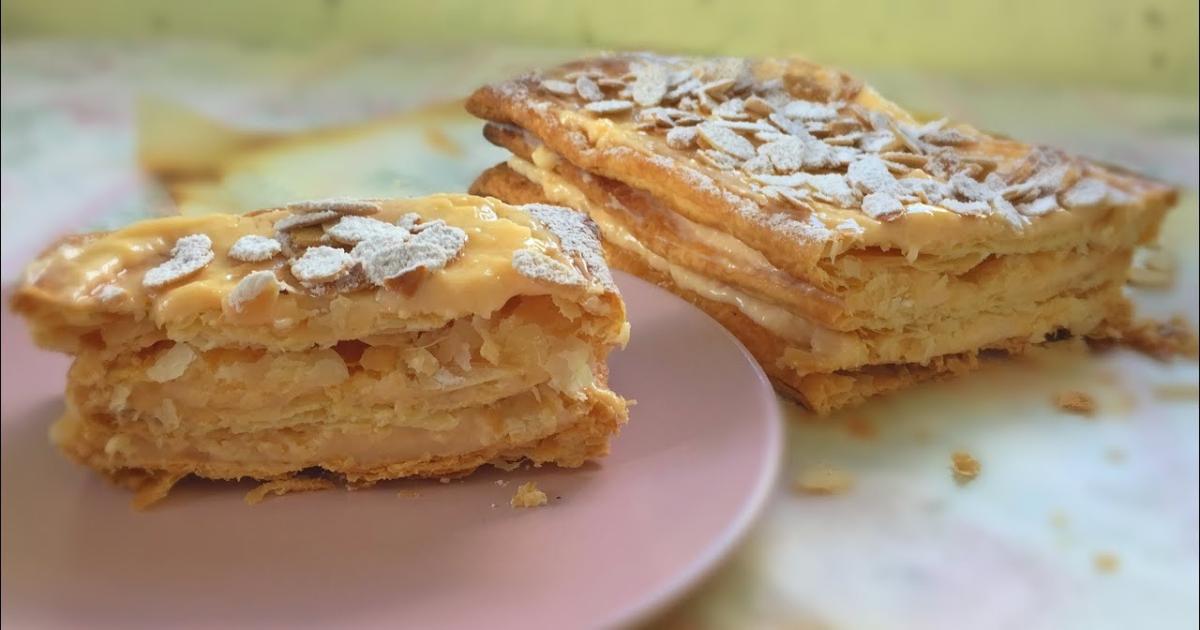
(363,339)
(851,247)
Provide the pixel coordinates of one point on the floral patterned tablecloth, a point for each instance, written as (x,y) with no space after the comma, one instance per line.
(1072,523)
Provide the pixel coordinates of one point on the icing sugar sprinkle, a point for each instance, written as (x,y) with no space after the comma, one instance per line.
(255,248)
(321,264)
(189,255)
(389,256)
(351,230)
(306,219)
(538,266)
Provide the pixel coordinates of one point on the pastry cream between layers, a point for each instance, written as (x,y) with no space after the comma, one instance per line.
(371,339)
(851,247)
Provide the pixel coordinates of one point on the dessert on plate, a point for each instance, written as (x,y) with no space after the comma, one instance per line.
(853,248)
(356,339)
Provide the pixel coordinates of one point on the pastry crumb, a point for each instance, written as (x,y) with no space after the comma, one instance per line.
(964,466)
(1163,340)
(823,480)
(1076,402)
(280,487)
(501,483)
(1177,391)
(861,428)
(528,496)
(408,494)
(1106,562)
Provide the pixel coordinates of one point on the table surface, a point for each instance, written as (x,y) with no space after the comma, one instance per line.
(906,546)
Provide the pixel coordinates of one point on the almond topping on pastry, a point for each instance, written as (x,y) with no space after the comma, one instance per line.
(340,205)
(321,264)
(297,221)
(253,285)
(351,230)
(189,255)
(255,248)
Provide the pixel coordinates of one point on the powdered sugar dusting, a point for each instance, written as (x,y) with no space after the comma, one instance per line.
(538,266)
(389,257)
(189,255)
(250,287)
(578,237)
(255,248)
(351,230)
(321,264)
(296,221)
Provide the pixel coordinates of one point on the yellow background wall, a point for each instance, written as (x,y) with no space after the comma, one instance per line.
(1146,45)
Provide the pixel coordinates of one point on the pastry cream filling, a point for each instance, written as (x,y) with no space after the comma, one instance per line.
(774,318)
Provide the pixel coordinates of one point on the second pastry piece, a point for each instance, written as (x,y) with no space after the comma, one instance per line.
(851,247)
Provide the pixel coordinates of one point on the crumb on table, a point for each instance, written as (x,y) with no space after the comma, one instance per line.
(1076,401)
(824,480)
(528,496)
(280,487)
(1106,562)
(964,466)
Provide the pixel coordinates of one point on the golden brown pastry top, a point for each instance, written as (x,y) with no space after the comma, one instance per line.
(806,152)
(314,273)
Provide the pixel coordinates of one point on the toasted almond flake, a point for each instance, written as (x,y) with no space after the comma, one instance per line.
(946,137)
(758,164)
(1039,207)
(789,126)
(340,205)
(786,154)
(920,208)
(878,141)
(928,190)
(731,109)
(350,230)
(798,198)
(681,137)
(588,90)
(536,265)
(911,160)
(1005,209)
(614,106)
(321,264)
(809,110)
(250,287)
(408,221)
(967,208)
(650,84)
(578,237)
(717,159)
(845,140)
(758,105)
(607,83)
(725,140)
(741,125)
(714,88)
(389,257)
(969,189)
(870,175)
(189,255)
(561,88)
(296,221)
(1086,192)
(255,248)
(686,87)
(879,205)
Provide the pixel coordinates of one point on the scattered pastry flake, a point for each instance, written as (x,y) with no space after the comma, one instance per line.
(538,266)
(881,206)
(1086,192)
(650,84)
(964,466)
(870,175)
(1106,562)
(171,364)
(250,287)
(189,255)
(321,264)
(108,293)
(280,487)
(408,494)
(395,261)
(823,480)
(255,248)
(725,140)
(351,230)
(1076,402)
(610,106)
(1039,207)
(340,205)
(861,428)
(1163,340)
(528,496)
(153,490)
(501,483)
(1152,267)
(809,110)
(1177,391)
(296,221)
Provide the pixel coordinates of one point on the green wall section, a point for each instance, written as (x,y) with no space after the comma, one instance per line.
(1146,45)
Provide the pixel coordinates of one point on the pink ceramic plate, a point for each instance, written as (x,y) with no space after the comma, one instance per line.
(617,541)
